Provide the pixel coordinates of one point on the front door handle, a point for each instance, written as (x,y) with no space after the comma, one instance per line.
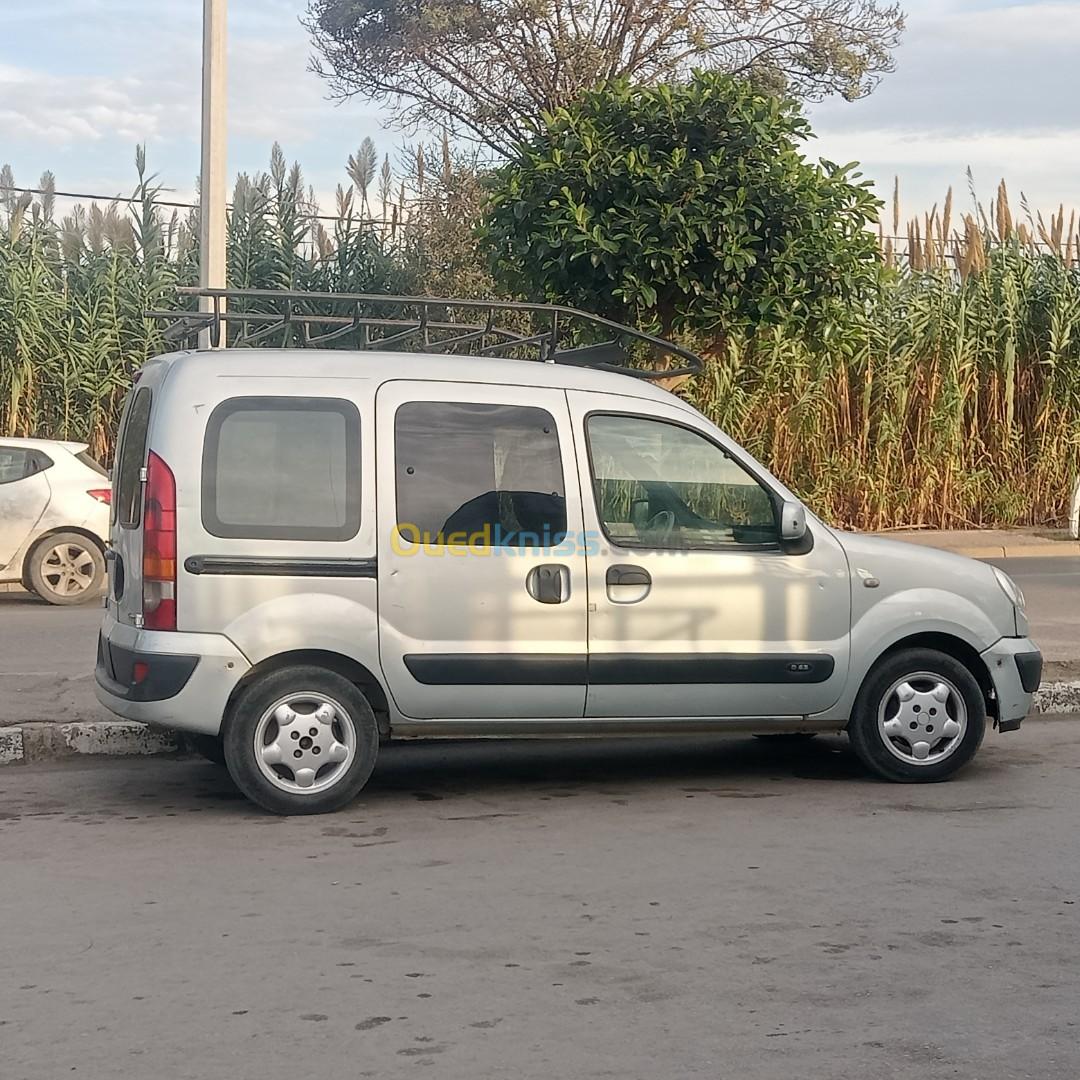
(627,584)
(549,583)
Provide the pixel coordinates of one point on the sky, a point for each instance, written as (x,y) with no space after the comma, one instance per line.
(988,84)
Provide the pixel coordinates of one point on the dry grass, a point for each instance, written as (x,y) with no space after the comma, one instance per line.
(953,399)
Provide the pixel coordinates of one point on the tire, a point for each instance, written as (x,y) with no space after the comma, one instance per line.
(66,568)
(210,747)
(919,717)
(272,756)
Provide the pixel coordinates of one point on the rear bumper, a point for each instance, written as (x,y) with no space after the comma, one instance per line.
(1015,666)
(141,676)
(186,683)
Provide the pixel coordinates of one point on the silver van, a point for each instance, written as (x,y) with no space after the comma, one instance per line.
(315,550)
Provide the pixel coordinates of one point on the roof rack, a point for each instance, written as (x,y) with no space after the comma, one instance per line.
(550,333)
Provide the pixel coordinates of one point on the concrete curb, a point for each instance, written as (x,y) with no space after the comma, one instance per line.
(1058,697)
(29,743)
(111,738)
(1050,549)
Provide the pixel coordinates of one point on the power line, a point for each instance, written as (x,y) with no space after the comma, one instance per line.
(95,198)
(167,202)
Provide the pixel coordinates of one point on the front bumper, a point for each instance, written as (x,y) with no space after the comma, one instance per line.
(188,679)
(1015,666)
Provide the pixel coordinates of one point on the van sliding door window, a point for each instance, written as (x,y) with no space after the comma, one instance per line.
(282,468)
(479,474)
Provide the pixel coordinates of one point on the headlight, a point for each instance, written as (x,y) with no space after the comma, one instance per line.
(1010,588)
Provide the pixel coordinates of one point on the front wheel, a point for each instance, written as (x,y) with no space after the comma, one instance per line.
(301,740)
(919,717)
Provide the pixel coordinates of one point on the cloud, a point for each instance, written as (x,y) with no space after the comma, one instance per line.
(61,109)
(964,71)
(274,96)
(976,83)
(147,82)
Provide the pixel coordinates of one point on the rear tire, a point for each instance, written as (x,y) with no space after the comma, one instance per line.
(919,717)
(210,747)
(66,568)
(301,740)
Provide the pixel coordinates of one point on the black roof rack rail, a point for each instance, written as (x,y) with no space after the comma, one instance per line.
(512,329)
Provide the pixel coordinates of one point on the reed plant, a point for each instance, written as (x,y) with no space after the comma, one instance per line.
(951,399)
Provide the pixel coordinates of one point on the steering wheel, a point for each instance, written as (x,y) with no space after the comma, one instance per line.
(660,525)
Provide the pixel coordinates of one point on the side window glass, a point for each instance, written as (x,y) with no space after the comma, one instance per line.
(38,461)
(15,464)
(282,468)
(659,485)
(131,458)
(486,475)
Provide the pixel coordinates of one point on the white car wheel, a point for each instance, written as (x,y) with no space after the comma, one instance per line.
(67,568)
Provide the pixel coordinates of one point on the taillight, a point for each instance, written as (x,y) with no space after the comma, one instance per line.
(159,546)
(103,495)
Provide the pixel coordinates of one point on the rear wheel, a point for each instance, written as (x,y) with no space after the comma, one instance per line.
(919,717)
(301,740)
(210,747)
(66,568)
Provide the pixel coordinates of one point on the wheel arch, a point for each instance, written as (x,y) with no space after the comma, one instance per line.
(960,650)
(56,530)
(348,668)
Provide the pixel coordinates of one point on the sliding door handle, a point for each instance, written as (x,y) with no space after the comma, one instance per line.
(549,583)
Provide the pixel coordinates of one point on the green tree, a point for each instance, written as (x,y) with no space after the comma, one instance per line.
(686,208)
(488,69)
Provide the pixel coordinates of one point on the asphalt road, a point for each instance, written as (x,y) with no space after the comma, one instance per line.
(623,909)
(47,657)
(47,653)
(1052,590)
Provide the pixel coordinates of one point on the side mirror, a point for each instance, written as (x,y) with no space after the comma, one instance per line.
(792,522)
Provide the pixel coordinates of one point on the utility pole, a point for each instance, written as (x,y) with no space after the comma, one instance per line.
(212,179)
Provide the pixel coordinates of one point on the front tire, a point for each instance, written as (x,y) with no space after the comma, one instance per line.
(66,568)
(301,740)
(919,717)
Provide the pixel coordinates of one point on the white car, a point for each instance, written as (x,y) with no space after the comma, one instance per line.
(54,519)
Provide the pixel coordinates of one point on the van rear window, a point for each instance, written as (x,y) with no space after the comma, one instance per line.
(130,459)
(282,468)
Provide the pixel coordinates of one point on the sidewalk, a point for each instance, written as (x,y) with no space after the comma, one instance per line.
(993,543)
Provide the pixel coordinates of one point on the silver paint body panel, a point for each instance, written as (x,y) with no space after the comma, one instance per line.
(742,603)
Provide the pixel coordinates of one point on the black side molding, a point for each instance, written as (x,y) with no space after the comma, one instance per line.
(617,669)
(498,669)
(268,566)
(636,669)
